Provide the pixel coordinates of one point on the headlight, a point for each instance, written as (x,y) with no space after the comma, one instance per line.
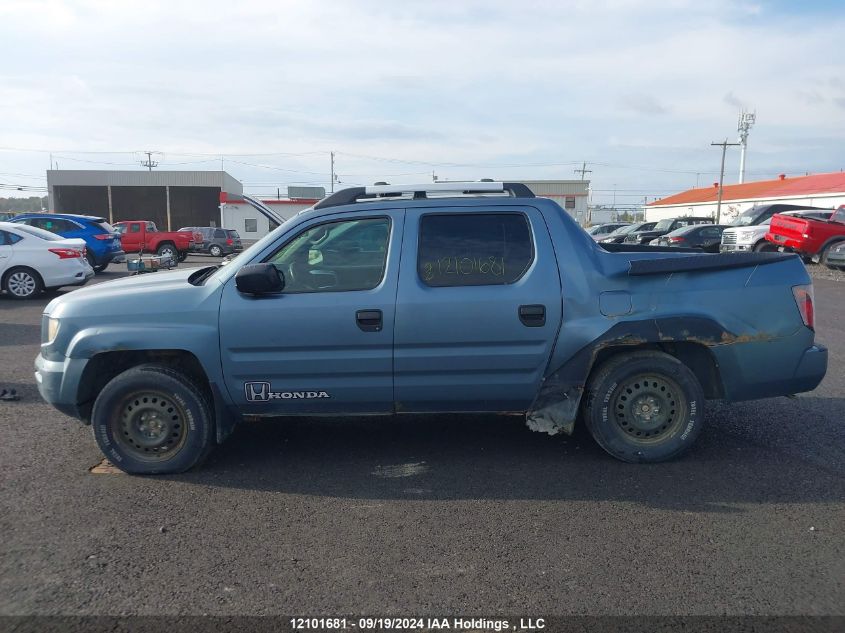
(745,237)
(52,330)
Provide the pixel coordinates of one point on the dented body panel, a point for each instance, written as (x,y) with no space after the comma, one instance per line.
(733,321)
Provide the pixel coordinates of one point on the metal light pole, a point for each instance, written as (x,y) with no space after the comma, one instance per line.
(724,145)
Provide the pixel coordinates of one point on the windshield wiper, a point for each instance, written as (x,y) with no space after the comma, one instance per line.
(198,277)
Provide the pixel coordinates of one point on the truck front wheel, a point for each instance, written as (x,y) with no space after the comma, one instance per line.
(764,246)
(644,406)
(153,420)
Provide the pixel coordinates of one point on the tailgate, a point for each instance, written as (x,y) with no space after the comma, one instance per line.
(784,227)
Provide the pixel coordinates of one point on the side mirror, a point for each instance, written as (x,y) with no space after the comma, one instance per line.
(260,279)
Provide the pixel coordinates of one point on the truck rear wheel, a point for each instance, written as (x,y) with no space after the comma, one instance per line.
(644,406)
(152,420)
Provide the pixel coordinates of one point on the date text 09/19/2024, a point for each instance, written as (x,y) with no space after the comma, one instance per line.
(416,623)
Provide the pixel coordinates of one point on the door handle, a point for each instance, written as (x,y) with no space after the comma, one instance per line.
(532,315)
(369,320)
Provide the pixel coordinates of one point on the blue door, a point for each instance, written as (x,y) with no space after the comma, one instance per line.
(478,309)
(325,344)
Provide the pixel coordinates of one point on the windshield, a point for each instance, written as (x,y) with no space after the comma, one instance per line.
(664,225)
(594,229)
(747,217)
(40,233)
(622,230)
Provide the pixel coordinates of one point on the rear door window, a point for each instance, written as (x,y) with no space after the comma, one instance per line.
(474,249)
(218,233)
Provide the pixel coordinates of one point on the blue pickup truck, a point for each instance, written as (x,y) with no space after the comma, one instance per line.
(447,297)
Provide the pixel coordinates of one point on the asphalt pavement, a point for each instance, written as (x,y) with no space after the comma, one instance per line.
(419,515)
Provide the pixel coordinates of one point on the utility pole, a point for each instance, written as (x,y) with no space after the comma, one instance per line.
(724,145)
(583,170)
(149,163)
(331,190)
(746,120)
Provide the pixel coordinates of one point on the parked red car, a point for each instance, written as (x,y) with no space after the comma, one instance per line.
(808,237)
(139,236)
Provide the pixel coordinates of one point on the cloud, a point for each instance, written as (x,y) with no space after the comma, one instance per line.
(732,100)
(642,104)
(482,82)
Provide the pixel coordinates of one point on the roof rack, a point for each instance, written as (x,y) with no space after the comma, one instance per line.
(353,194)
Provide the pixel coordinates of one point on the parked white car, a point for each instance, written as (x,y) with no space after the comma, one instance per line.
(32,260)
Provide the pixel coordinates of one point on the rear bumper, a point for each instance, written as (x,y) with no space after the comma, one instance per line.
(769,369)
(811,370)
(110,257)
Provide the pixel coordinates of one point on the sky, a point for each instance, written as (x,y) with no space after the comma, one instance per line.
(637,89)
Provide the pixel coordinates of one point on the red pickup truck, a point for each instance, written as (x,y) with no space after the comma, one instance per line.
(139,236)
(808,237)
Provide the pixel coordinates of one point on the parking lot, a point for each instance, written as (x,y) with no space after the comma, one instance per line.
(416,515)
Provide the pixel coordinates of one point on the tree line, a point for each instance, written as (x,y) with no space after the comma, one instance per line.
(33,203)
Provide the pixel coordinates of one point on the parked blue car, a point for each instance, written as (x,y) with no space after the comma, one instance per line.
(101,240)
(442,297)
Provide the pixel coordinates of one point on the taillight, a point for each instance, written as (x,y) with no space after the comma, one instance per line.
(677,239)
(66,253)
(804,300)
(104,236)
(229,241)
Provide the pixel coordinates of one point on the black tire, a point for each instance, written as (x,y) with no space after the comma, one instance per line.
(668,392)
(183,255)
(764,246)
(215,251)
(21,282)
(97,268)
(168,250)
(153,420)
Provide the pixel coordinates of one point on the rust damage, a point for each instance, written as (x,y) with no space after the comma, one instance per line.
(556,406)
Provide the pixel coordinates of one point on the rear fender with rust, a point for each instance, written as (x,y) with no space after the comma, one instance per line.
(556,407)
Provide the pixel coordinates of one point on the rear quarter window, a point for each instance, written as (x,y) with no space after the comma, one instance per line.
(474,249)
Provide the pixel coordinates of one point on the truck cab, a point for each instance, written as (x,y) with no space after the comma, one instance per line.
(444,297)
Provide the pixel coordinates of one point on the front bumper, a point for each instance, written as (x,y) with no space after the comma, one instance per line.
(734,248)
(58,382)
(836,259)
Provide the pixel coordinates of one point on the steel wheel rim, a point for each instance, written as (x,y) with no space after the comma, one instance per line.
(647,408)
(21,284)
(216,251)
(168,252)
(150,426)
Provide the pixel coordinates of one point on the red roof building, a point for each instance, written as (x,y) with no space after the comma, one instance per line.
(820,190)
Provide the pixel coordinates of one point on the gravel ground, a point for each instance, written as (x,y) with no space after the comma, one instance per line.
(823,272)
(425,515)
